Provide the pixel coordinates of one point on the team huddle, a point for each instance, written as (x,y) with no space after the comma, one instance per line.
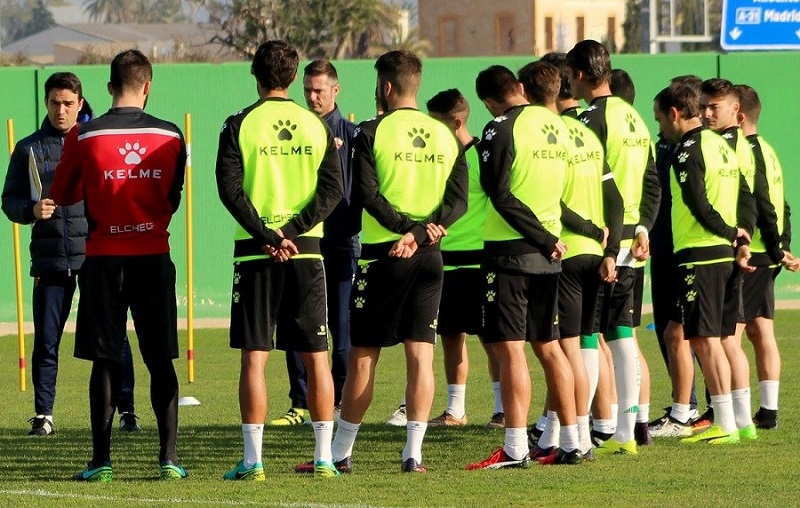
(406,226)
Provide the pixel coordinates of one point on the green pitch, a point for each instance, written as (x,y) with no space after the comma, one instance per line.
(34,471)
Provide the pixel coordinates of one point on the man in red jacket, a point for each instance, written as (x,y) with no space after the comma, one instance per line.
(128,166)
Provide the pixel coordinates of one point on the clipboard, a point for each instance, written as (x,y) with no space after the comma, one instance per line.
(34,178)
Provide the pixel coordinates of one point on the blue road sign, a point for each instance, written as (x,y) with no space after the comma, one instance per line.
(760,24)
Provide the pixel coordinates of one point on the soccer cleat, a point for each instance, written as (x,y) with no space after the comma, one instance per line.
(662,419)
(447,420)
(498,421)
(172,471)
(128,422)
(398,418)
(766,418)
(641,432)
(498,460)
(614,447)
(561,457)
(254,473)
(294,416)
(671,428)
(326,469)
(101,473)
(748,432)
(537,452)
(533,436)
(704,421)
(41,426)
(344,466)
(411,465)
(598,438)
(713,435)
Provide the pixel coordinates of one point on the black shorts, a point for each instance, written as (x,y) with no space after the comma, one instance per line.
(707,294)
(281,300)
(520,306)
(758,294)
(577,295)
(664,290)
(109,286)
(617,302)
(638,296)
(462,302)
(395,300)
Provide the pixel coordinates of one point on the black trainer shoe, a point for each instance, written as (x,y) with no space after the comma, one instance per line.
(598,438)
(641,432)
(128,422)
(704,421)
(766,418)
(410,465)
(344,466)
(40,426)
(533,436)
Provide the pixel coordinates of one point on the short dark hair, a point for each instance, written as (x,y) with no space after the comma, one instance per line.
(496,82)
(591,58)
(692,80)
(448,103)
(749,102)
(718,87)
(560,61)
(321,68)
(63,81)
(541,80)
(275,65)
(621,85)
(680,96)
(401,68)
(130,70)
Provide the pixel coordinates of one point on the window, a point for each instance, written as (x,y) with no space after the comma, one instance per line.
(448,36)
(549,37)
(611,32)
(504,36)
(580,28)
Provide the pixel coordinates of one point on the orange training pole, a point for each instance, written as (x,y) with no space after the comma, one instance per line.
(18,277)
(189,254)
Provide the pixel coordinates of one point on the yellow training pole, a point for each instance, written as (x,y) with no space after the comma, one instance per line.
(18,276)
(189,263)
(352,117)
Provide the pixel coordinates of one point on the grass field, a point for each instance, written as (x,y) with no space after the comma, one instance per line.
(34,470)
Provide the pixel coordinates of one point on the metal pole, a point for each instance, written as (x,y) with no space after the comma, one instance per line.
(189,253)
(18,278)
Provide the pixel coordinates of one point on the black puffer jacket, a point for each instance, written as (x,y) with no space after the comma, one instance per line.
(58,243)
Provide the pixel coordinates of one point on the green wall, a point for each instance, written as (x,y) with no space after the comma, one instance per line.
(212,92)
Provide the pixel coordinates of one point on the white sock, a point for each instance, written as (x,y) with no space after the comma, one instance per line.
(253,434)
(643,416)
(551,431)
(415,433)
(591,359)
(741,407)
(344,439)
(541,422)
(723,412)
(627,377)
(49,418)
(769,394)
(498,400)
(516,443)
(584,434)
(680,412)
(614,414)
(569,437)
(323,432)
(604,426)
(456,396)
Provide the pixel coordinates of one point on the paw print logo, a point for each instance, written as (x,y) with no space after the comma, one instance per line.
(682,157)
(364,268)
(322,331)
(682,176)
(485,155)
(284,129)
(500,118)
(723,151)
(361,284)
(490,277)
(236,277)
(688,143)
(551,132)
(360,301)
(489,134)
(689,279)
(631,122)
(419,136)
(575,135)
(691,296)
(490,296)
(434,324)
(235,297)
(728,135)
(357,131)
(585,120)
(132,153)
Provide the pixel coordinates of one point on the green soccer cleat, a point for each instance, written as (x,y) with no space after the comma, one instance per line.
(748,432)
(294,416)
(325,469)
(614,447)
(255,473)
(101,473)
(713,435)
(172,471)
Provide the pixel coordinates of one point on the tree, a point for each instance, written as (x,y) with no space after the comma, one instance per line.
(632,27)
(22,18)
(134,11)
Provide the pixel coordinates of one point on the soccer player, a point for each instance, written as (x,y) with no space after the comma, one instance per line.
(523,169)
(279,175)
(128,166)
(339,246)
(410,177)
(627,150)
(770,251)
(591,212)
(460,310)
(621,85)
(708,191)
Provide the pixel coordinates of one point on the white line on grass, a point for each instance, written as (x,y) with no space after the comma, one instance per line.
(225,502)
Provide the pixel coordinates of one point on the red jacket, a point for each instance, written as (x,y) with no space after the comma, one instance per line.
(128,167)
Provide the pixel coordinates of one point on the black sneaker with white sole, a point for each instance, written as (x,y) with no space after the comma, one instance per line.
(41,426)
